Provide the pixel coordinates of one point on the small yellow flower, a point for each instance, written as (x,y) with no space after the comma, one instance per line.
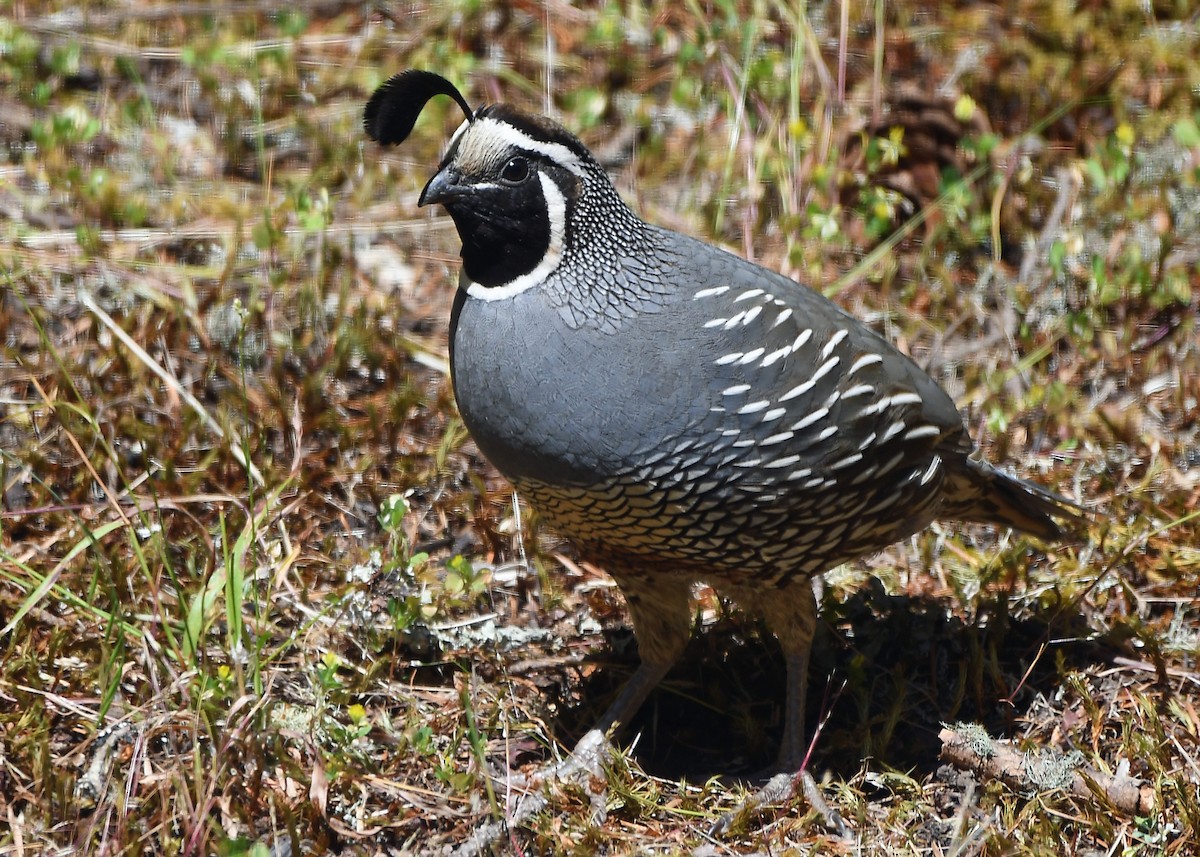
(964,108)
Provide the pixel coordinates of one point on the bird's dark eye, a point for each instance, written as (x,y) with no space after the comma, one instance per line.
(515,171)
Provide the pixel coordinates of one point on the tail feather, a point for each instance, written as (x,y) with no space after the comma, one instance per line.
(980,493)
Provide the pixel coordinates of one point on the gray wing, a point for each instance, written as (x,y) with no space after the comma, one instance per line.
(803,417)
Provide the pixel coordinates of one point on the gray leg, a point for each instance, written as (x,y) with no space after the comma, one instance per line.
(793,618)
(791,613)
(661,624)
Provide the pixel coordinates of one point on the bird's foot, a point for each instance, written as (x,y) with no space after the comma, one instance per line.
(583,768)
(527,794)
(777,790)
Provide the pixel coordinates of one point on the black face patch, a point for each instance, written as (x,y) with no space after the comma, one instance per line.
(505,230)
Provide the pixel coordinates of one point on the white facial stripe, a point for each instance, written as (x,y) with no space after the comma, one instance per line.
(490,141)
(458,132)
(556,210)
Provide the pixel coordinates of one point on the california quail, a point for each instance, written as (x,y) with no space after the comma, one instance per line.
(679,413)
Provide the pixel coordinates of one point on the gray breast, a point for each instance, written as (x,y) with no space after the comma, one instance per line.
(550,400)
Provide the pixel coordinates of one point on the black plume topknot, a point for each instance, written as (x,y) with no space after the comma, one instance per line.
(393,110)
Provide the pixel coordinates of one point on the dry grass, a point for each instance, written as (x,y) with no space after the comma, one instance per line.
(223,328)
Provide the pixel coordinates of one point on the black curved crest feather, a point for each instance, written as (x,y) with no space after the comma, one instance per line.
(392,112)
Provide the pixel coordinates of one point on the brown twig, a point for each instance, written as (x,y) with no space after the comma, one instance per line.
(969,747)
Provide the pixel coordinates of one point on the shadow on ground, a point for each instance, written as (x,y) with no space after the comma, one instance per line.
(886,672)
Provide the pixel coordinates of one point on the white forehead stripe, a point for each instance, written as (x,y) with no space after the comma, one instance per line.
(458,132)
(487,141)
(556,210)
